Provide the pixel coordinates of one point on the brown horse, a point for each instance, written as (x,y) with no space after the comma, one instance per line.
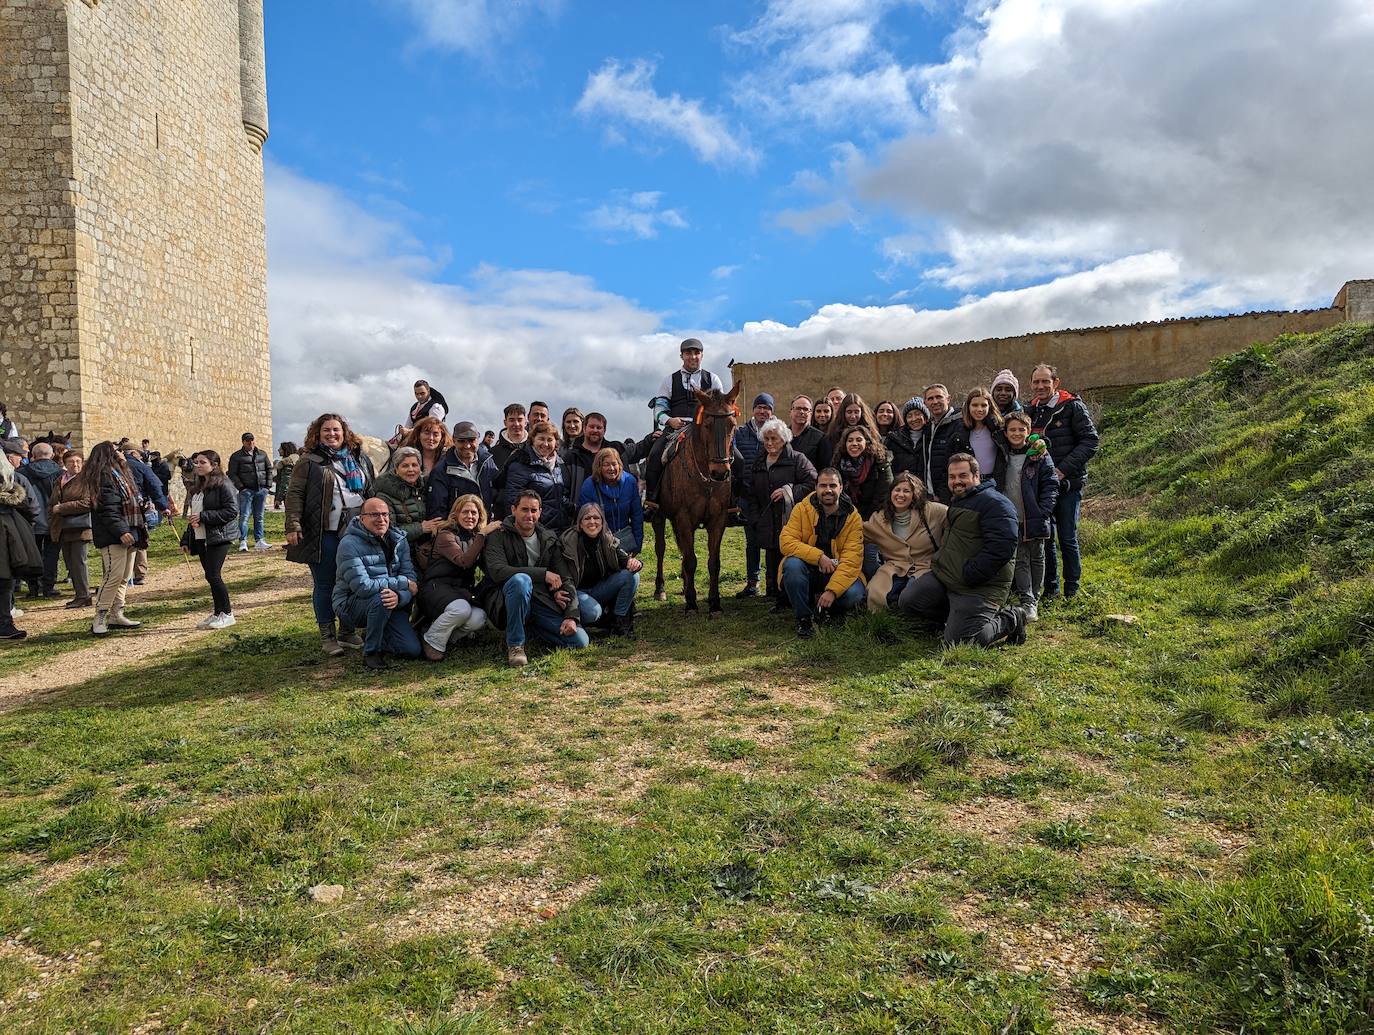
(696,491)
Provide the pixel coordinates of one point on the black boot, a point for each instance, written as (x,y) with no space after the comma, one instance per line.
(375,662)
(624,625)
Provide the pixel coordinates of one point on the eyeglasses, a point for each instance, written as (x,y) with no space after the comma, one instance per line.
(378,514)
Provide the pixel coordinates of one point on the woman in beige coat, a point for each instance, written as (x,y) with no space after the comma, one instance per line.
(907,531)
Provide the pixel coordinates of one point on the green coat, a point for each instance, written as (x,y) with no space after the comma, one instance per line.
(407,503)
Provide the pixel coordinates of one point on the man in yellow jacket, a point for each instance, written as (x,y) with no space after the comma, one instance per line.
(823,555)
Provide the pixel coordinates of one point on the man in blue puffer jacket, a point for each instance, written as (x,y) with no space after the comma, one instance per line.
(375,584)
(966,590)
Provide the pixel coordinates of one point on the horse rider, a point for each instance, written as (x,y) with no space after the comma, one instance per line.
(674,408)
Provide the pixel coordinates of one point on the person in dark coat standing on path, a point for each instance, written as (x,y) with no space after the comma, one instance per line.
(1062,419)
(210,530)
(43,474)
(327,490)
(250,472)
(966,589)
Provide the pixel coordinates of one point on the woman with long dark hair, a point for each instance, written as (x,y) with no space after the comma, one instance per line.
(327,490)
(281,473)
(885,418)
(430,438)
(212,524)
(907,531)
(118,529)
(852,413)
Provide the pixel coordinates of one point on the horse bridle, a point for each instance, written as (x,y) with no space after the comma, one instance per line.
(723,445)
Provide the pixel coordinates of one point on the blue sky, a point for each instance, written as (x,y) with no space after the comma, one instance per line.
(543,197)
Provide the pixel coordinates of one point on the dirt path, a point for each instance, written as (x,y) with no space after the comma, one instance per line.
(47,675)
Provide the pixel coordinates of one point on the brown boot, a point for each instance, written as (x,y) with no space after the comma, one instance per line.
(329,643)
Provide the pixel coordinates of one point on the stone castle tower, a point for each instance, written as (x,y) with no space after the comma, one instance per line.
(133,292)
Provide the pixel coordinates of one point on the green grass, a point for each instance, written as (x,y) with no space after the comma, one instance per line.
(721,828)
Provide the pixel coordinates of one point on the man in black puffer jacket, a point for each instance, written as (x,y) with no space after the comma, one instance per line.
(1064,422)
(944,421)
(968,586)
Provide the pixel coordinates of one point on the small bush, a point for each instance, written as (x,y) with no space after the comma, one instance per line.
(1067,834)
(939,734)
(1214,711)
(1245,369)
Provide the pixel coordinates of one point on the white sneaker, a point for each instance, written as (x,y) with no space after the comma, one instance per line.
(243,546)
(16,612)
(262,544)
(222,621)
(204,623)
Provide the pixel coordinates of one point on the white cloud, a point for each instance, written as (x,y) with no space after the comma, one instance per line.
(1069,133)
(473,25)
(634,215)
(724,272)
(809,221)
(627,94)
(356,319)
(826,62)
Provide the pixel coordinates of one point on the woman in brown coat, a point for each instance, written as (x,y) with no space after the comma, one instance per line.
(907,531)
(69,525)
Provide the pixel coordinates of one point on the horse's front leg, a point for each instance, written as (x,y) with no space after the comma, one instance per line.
(659,592)
(715,533)
(687,546)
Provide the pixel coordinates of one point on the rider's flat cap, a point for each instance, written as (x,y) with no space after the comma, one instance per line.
(689,345)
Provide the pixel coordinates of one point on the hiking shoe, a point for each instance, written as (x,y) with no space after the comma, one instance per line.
(375,662)
(222,621)
(329,644)
(805,630)
(99,626)
(1032,611)
(119,620)
(515,655)
(750,590)
(1017,636)
(76,602)
(9,632)
(137,582)
(350,638)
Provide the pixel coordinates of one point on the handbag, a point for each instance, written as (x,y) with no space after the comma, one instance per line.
(628,541)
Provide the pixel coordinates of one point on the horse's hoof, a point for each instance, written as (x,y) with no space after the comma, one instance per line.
(661,596)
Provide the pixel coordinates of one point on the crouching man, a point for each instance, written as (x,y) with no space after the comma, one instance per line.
(968,585)
(822,555)
(375,583)
(525,561)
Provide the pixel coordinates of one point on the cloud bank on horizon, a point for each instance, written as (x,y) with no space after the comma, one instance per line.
(1067,163)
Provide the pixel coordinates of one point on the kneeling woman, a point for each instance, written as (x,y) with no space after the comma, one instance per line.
(214,516)
(447,563)
(907,531)
(606,576)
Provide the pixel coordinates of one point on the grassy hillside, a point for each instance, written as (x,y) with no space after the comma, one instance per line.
(1160,826)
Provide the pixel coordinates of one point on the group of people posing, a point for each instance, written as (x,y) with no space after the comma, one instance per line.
(961,514)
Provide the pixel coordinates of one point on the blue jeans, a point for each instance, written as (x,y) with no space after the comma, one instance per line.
(543,621)
(1064,531)
(322,574)
(753,554)
(387,628)
(616,592)
(255,500)
(803,583)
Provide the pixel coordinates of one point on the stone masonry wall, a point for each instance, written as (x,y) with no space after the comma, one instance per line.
(1093,360)
(169,226)
(39,362)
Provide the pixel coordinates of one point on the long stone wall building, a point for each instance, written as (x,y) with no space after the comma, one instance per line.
(133,288)
(1097,361)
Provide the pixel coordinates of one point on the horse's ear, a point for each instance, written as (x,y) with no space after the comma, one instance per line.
(733,394)
(701,397)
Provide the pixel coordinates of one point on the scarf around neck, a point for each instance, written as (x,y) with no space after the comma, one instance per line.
(347,464)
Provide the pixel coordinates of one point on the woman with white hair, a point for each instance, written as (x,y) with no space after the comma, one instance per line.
(778,478)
